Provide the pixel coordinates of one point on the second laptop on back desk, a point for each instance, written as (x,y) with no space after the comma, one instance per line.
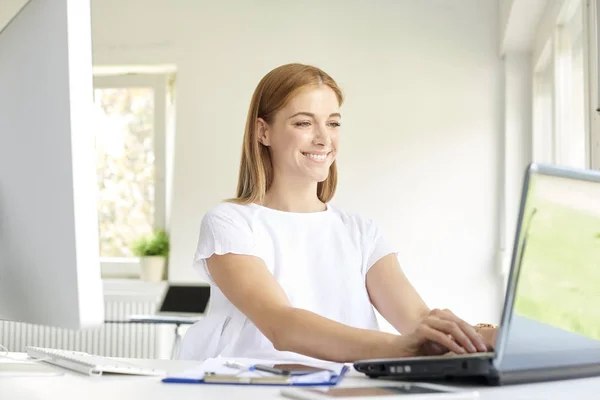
(180,303)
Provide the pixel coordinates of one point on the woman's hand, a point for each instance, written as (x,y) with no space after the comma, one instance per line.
(489,336)
(440,332)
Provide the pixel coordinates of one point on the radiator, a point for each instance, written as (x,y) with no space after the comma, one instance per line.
(111,340)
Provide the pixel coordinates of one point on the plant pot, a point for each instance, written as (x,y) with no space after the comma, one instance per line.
(152,268)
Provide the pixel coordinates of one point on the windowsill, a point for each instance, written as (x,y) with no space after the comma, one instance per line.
(121,278)
(137,288)
(120,268)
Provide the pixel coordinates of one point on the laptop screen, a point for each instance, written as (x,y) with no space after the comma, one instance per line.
(186,299)
(557,297)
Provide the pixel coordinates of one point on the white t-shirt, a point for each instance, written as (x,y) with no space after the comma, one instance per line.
(320,260)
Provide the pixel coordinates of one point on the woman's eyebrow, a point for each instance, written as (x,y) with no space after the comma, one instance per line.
(312,115)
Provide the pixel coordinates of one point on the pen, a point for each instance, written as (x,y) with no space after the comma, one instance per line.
(237,365)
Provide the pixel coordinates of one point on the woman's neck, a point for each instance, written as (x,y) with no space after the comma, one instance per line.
(293,197)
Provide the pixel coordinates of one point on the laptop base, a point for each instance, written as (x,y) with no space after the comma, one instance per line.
(471,369)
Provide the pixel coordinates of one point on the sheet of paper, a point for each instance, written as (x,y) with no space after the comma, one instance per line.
(218,366)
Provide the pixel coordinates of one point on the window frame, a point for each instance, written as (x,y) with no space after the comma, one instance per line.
(129,267)
(551,36)
(544,147)
(567,30)
(593,38)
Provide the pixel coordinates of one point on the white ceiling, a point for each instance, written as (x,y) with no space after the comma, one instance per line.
(519,23)
(8,9)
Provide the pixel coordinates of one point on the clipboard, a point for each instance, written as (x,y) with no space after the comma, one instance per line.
(263,380)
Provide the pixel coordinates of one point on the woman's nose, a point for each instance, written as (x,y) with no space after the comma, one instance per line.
(322,136)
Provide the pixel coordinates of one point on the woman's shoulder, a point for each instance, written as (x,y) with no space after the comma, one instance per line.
(229,211)
(229,207)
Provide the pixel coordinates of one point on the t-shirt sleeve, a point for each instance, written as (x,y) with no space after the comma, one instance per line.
(222,232)
(375,245)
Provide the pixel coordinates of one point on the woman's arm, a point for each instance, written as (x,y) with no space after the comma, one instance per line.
(248,284)
(393,295)
(400,304)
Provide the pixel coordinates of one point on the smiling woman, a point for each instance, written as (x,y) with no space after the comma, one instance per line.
(301,144)
(293,276)
(302,102)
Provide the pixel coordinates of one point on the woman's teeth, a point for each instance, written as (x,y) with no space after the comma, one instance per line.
(318,157)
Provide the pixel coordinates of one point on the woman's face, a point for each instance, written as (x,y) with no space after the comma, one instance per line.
(303,137)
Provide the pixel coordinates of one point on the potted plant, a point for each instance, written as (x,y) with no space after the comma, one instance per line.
(153,251)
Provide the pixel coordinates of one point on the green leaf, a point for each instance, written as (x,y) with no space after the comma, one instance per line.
(153,245)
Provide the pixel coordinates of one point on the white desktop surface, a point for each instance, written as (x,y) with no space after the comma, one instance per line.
(74,385)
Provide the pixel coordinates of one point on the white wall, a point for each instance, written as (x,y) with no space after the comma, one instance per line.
(518,149)
(520,22)
(505,7)
(422,125)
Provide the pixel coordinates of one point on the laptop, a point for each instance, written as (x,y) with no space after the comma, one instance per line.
(550,324)
(183,303)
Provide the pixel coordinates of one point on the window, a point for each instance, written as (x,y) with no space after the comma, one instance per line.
(543,108)
(130,154)
(561,133)
(571,132)
(593,21)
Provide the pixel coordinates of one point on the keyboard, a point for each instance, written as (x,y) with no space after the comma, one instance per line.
(89,364)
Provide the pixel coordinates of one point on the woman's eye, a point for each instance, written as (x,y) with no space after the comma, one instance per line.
(302,124)
(335,124)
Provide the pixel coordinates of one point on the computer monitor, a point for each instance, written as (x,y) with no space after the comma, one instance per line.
(49,259)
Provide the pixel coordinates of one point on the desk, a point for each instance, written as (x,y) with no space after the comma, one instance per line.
(150,388)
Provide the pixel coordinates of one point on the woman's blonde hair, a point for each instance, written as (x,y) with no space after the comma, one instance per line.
(272,94)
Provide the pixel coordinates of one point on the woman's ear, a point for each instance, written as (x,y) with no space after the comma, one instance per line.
(262,132)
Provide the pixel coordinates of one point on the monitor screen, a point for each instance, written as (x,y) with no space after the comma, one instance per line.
(556,302)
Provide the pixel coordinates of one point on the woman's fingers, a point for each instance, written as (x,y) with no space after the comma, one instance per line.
(445,329)
(489,337)
(443,339)
(476,339)
(453,329)
(431,348)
